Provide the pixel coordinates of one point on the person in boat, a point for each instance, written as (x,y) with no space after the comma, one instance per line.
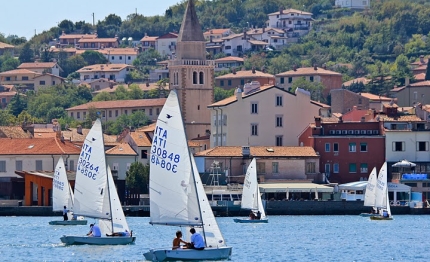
(178,240)
(74,217)
(197,241)
(385,213)
(65,217)
(251,215)
(258,216)
(94,231)
(119,234)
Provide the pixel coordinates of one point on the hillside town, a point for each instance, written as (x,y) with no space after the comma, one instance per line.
(328,137)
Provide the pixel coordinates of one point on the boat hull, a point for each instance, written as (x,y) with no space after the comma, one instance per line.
(239,220)
(68,222)
(85,240)
(368,215)
(381,218)
(188,254)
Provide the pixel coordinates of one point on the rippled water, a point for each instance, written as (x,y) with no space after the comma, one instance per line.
(284,238)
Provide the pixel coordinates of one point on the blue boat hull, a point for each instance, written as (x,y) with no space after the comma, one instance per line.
(239,220)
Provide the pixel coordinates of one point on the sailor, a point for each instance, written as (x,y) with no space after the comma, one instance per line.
(65,217)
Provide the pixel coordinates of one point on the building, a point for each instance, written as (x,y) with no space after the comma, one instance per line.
(353,4)
(295,22)
(235,44)
(6,48)
(98,43)
(348,150)
(42,67)
(166,44)
(278,163)
(228,63)
(329,79)
(148,42)
(115,72)
(412,94)
(73,39)
(240,78)
(266,114)
(46,80)
(5,98)
(214,34)
(274,37)
(111,110)
(21,77)
(120,55)
(192,75)
(343,101)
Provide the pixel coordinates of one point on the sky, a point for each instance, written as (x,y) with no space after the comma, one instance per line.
(23,17)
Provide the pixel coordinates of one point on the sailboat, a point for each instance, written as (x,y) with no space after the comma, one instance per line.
(251,198)
(381,200)
(62,195)
(370,194)
(96,195)
(177,196)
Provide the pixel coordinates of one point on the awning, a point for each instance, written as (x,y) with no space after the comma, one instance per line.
(293,187)
(361,185)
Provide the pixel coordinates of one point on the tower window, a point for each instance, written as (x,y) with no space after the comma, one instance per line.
(194,78)
(198,107)
(201,78)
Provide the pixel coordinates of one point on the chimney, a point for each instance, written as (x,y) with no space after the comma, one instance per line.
(407,81)
(354,108)
(317,121)
(253,70)
(264,29)
(281,10)
(294,67)
(363,119)
(146,35)
(233,70)
(324,66)
(315,67)
(422,59)
(210,38)
(263,69)
(246,151)
(340,120)
(238,93)
(79,129)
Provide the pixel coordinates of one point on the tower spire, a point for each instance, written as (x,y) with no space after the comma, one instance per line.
(190,27)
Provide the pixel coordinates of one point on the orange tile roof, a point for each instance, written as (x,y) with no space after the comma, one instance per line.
(290,10)
(4,45)
(305,71)
(193,143)
(320,104)
(122,149)
(120,104)
(405,118)
(44,134)
(232,36)
(76,36)
(356,80)
(97,40)
(229,59)
(149,39)
(148,128)
(143,87)
(42,146)
(260,151)
(247,74)
(376,97)
(216,31)
(18,72)
(7,87)
(257,31)
(37,65)
(141,138)
(258,42)
(72,135)
(51,75)
(103,68)
(420,77)
(421,84)
(7,94)
(233,98)
(118,51)
(13,132)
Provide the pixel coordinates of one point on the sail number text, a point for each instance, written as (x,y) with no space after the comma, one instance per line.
(85,166)
(57,183)
(159,155)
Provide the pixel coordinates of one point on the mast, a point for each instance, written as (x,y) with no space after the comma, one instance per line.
(107,181)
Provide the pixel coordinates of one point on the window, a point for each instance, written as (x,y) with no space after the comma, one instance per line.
(335,147)
(25,78)
(120,57)
(150,111)
(278,140)
(39,165)
(278,121)
(84,114)
(310,167)
(18,165)
(129,57)
(352,168)
(290,79)
(275,167)
(327,168)
(7,78)
(254,108)
(72,165)
(352,147)
(254,129)
(282,80)
(327,147)
(71,114)
(363,168)
(242,82)
(144,154)
(398,146)
(41,82)
(261,168)
(194,78)
(363,147)
(221,83)
(278,100)
(116,113)
(110,113)
(229,82)
(201,77)
(311,78)
(78,114)
(125,111)
(2,166)
(157,111)
(422,146)
(335,168)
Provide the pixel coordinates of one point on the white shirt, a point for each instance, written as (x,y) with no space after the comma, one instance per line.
(197,240)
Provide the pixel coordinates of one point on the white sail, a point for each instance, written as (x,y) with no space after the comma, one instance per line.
(91,177)
(251,197)
(381,188)
(60,188)
(370,194)
(211,231)
(173,198)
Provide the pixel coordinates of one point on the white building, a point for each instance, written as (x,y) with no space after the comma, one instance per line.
(353,4)
(292,21)
(272,36)
(166,44)
(269,116)
(115,72)
(120,55)
(42,67)
(235,44)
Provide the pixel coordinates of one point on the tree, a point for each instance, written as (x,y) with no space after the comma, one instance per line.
(137,177)
(6,118)
(220,93)
(7,62)
(17,105)
(67,26)
(93,57)
(27,54)
(314,88)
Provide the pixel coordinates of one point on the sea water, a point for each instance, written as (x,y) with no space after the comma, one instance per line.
(284,238)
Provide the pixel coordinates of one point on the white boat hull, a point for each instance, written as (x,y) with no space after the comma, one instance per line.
(247,220)
(188,254)
(85,240)
(68,222)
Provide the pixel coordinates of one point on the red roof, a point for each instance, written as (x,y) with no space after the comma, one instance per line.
(120,104)
(41,146)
